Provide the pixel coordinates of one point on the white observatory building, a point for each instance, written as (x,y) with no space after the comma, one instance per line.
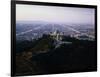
(56,35)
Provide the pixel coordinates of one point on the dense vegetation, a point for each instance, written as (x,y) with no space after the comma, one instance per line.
(78,56)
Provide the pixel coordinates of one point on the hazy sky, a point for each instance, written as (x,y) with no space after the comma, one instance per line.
(54,14)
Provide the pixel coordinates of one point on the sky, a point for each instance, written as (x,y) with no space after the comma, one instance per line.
(55,14)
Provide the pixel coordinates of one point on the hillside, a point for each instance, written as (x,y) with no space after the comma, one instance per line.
(42,57)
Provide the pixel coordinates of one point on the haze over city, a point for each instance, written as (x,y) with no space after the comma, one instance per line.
(51,39)
(55,14)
